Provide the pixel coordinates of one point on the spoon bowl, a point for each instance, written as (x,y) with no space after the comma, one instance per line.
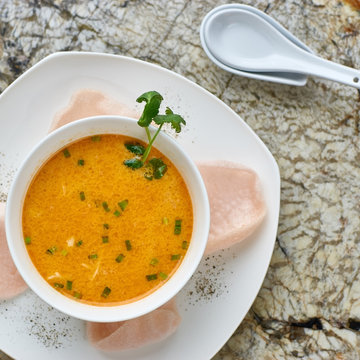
(296,79)
(234,40)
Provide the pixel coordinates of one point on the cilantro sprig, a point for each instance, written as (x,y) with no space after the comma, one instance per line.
(155,168)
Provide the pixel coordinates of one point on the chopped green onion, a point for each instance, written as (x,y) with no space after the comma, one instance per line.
(105,206)
(69,284)
(148,177)
(64,252)
(92,256)
(96,138)
(184,245)
(177,228)
(106,292)
(77,295)
(66,153)
(162,275)
(123,204)
(128,245)
(154,261)
(28,240)
(79,243)
(117,213)
(58,285)
(106,226)
(119,258)
(175,257)
(82,196)
(81,162)
(151,277)
(105,239)
(51,250)
(165,220)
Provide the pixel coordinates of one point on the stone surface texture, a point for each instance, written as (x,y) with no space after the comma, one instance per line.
(309,304)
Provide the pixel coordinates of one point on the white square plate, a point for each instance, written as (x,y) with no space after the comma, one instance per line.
(221,292)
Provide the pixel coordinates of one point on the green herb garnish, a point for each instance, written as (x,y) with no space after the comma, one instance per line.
(184,245)
(79,243)
(163,275)
(82,196)
(106,226)
(123,204)
(105,206)
(27,240)
(106,292)
(154,261)
(128,245)
(134,163)
(58,285)
(66,153)
(51,250)
(93,256)
(153,100)
(177,228)
(77,295)
(117,213)
(150,113)
(81,162)
(69,285)
(175,257)
(156,169)
(174,119)
(119,258)
(64,252)
(135,148)
(105,239)
(151,277)
(165,220)
(96,138)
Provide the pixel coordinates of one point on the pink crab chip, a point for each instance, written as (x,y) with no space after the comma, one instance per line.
(85,103)
(237,206)
(11,283)
(130,334)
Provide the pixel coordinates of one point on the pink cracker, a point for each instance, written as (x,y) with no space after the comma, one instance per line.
(147,329)
(11,283)
(87,102)
(237,206)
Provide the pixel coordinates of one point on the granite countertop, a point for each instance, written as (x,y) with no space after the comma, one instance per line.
(309,304)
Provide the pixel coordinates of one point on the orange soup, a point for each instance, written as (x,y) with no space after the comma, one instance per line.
(100,232)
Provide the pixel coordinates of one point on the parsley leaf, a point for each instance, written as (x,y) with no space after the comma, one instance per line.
(159,168)
(135,148)
(153,100)
(134,163)
(174,119)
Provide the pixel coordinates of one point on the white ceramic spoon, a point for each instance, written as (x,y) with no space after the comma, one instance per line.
(243,40)
(278,77)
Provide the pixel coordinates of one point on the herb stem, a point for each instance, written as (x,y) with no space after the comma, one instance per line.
(148,148)
(148,133)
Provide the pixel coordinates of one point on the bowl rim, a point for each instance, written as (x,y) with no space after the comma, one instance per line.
(58,139)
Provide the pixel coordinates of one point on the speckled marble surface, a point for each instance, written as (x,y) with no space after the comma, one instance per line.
(309,304)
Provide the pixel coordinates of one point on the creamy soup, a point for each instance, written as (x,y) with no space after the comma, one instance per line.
(100,232)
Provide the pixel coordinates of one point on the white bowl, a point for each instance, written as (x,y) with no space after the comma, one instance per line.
(43,151)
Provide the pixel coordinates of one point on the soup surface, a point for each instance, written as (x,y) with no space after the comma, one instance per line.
(100,232)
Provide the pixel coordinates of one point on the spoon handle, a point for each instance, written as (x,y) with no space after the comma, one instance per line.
(313,65)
